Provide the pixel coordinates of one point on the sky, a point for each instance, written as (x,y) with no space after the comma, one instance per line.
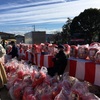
(22,16)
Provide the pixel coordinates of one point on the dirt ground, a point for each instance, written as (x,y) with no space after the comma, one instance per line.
(95,89)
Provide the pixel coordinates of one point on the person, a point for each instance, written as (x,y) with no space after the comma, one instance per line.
(3,76)
(2,51)
(60,62)
(3,43)
(14,51)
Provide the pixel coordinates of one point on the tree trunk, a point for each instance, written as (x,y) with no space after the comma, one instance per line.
(90,38)
(99,37)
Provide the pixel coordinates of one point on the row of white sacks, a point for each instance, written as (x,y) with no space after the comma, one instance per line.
(89,52)
(27,52)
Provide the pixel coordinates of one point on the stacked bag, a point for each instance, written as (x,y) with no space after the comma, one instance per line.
(89,52)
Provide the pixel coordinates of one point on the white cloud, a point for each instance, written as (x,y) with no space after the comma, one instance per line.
(48,11)
(16,5)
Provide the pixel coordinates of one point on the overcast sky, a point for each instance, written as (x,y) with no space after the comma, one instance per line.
(20,16)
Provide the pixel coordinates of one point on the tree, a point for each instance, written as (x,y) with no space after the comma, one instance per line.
(64,36)
(57,38)
(66,31)
(88,24)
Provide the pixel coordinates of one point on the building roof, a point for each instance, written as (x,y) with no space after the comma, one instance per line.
(6,33)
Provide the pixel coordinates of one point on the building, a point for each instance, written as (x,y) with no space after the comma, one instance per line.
(20,39)
(6,36)
(35,37)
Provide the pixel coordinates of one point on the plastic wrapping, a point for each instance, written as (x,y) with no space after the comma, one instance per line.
(90,96)
(73,51)
(43,92)
(12,93)
(67,49)
(95,44)
(92,52)
(16,91)
(97,57)
(39,76)
(83,51)
(31,83)
(28,93)
(11,81)
(78,90)
(61,95)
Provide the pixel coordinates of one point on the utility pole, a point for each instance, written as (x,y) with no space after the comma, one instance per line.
(33,27)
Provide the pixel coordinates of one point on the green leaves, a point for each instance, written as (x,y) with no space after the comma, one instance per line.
(87,23)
